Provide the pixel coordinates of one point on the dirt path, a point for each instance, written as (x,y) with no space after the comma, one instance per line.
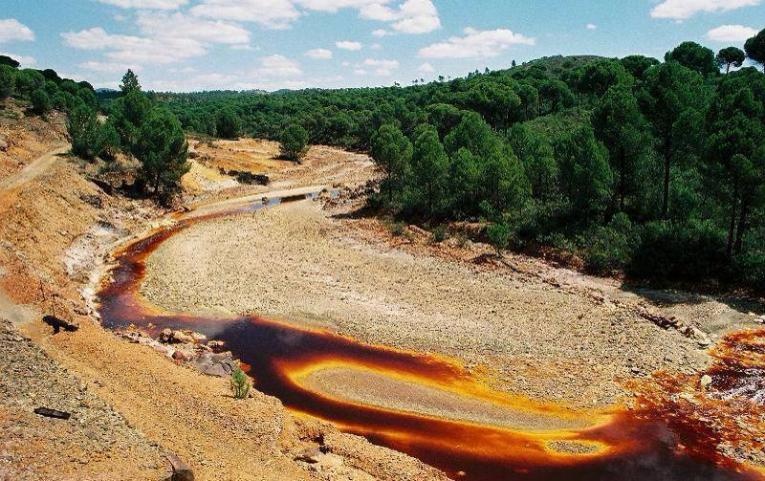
(34,168)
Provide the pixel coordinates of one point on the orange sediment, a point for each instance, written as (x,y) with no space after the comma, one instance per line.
(656,443)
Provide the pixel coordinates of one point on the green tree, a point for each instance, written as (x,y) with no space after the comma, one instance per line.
(109,141)
(393,151)
(294,141)
(130,83)
(430,171)
(28,80)
(162,150)
(6,60)
(499,236)
(672,90)
(464,183)
(619,124)
(227,124)
(599,76)
(585,176)
(755,48)
(7,81)
(638,65)
(730,57)
(128,113)
(83,130)
(538,159)
(41,103)
(695,57)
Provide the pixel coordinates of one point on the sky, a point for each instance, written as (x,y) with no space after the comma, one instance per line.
(190,45)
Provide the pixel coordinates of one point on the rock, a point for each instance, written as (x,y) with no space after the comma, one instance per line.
(181,470)
(198,338)
(58,323)
(180,337)
(215,364)
(706,381)
(52,413)
(309,455)
(182,356)
(3,144)
(216,344)
(166,335)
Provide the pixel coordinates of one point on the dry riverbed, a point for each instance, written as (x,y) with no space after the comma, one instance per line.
(302,264)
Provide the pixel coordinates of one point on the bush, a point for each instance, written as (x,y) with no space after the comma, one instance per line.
(84,132)
(679,252)
(294,140)
(611,246)
(7,81)
(499,236)
(439,233)
(240,384)
(41,103)
(398,229)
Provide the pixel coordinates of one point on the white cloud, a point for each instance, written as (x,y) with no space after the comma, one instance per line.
(278,66)
(346,64)
(380,33)
(319,54)
(348,45)
(13,30)
(382,67)
(147,4)
(108,67)
(134,50)
(359,71)
(376,46)
(274,14)
(592,26)
(178,25)
(24,60)
(476,44)
(417,16)
(684,9)
(426,68)
(731,33)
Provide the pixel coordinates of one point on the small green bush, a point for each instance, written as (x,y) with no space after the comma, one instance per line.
(240,384)
(439,233)
(398,229)
(499,236)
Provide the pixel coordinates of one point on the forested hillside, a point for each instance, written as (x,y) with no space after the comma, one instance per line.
(653,168)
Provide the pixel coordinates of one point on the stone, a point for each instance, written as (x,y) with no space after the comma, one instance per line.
(180,337)
(181,470)
(3,144)
(166,335)
(198,337)
(706,381)
(215,364)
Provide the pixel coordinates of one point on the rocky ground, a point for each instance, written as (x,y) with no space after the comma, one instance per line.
(303,264)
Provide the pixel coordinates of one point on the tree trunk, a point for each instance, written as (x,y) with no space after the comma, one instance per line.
(742,219)
(732,225)
(667,165)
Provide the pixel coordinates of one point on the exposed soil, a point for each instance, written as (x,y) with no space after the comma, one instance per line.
(299,263)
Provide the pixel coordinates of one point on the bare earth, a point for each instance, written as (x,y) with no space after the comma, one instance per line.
(298,263)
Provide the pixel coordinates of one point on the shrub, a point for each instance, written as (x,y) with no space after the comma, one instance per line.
(611,246)
(240,384)
(439,233)
(679,252)
(499,236)
(398,229)
(294,140)
(41,102)
(7,81)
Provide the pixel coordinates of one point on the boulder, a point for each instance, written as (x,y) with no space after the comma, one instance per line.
(706,381)
(166,336)
(181,470)
(180,337)
(3,144)
(215,364)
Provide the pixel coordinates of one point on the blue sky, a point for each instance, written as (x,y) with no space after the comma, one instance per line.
(185,45)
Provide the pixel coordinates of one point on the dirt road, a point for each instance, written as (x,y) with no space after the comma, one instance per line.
(34,168)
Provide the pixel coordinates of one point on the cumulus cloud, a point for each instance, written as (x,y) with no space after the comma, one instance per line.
(476,44)
(731,33)
(685,9)
(380,33)
(178,25)
(383,68)
(274,14)
(278,66)
(147,4)
(108,67)
(12,30)
(426,68)
(592,26)
(410,16)
(135,50)
(319,54)
(348,45)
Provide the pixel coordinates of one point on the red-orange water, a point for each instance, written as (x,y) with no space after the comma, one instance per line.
(659,443)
